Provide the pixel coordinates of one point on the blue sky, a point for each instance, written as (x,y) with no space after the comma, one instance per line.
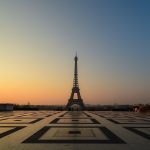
(39,39)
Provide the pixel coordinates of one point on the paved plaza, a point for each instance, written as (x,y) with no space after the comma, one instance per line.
(62,130)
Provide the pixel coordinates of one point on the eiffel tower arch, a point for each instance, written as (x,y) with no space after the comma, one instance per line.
(75,103)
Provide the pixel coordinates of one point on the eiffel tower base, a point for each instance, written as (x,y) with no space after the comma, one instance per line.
(75,105)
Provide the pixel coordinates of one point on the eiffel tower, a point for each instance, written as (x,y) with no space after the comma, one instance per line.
(75,90)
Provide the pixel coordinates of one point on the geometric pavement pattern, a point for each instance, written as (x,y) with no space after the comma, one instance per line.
(74,130)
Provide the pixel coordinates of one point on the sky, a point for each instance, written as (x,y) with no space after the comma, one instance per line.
(39,39)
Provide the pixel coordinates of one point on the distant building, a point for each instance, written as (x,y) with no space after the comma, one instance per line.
(122,108)
(141,108)
(6,107)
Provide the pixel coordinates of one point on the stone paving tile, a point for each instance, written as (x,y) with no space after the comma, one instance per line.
(44,130)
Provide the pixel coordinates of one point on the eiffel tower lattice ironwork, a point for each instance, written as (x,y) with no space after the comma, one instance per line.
(75,90)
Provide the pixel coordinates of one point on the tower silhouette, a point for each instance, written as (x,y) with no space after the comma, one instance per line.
(75,90)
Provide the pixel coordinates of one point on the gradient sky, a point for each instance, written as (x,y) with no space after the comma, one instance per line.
(39,38)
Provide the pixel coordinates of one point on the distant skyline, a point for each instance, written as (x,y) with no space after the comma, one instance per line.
(39,39)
